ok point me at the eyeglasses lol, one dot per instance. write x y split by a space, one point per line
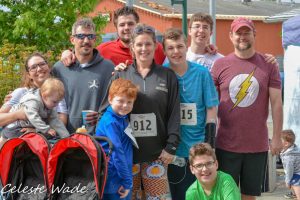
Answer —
143 29
34 67
208 165
82 36
197 27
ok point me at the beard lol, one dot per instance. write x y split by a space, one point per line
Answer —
86 49
243 47
125 40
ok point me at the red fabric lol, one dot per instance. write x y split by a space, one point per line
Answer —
37 145
7 152
84 139
63 145
118 53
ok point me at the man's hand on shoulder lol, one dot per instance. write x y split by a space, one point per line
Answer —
269 58
67 58
121 67
211 49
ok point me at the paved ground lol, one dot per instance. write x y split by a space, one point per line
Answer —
280 188
279 191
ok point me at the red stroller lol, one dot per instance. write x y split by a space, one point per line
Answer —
23 167
77 168
74 169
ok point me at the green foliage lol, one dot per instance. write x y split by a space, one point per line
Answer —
37 25
45 24
12 65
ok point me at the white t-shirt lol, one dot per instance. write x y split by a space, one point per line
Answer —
207 60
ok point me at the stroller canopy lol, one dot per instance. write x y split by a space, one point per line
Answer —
77 168
24 164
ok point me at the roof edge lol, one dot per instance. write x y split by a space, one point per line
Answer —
179 16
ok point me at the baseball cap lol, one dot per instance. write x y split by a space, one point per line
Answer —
240 22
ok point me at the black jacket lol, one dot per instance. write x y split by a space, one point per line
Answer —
158 94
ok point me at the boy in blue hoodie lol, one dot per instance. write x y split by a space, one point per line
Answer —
114 124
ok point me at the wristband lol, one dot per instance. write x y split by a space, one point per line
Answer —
210 134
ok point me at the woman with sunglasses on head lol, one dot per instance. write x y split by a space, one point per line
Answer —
155 117
36 72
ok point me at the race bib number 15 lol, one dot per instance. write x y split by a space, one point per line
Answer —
188 114
143 125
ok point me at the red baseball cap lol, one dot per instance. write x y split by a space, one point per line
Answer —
240 22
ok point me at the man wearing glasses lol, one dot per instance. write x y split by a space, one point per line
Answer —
85 80
210 183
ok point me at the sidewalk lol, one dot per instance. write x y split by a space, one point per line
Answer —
279 191
280 188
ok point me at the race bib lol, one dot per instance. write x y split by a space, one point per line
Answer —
188 114
143 125
128 132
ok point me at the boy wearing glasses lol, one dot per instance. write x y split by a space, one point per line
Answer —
200 30
210 183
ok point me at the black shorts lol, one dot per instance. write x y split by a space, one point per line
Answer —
247 169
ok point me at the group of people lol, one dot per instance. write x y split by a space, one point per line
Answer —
156 114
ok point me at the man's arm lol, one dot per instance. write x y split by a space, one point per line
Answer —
67 57
211 114
277 116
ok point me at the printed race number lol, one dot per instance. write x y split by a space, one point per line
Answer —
143 125
188 114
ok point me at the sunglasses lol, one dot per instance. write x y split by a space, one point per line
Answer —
82 36
143 29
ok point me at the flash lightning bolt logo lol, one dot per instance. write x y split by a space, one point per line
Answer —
244 86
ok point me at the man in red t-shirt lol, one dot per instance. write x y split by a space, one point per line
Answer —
118 51
246 83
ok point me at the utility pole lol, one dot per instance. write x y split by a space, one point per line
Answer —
129 3
212 12
184 13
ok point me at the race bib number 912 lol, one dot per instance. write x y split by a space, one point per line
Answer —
143 125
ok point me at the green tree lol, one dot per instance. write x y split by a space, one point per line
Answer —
45 24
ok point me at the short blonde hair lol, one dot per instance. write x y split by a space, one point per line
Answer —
53 86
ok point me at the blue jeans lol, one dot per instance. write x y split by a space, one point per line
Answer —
115 196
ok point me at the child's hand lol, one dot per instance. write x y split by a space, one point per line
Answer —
288 186
52 132
123 192
28 130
